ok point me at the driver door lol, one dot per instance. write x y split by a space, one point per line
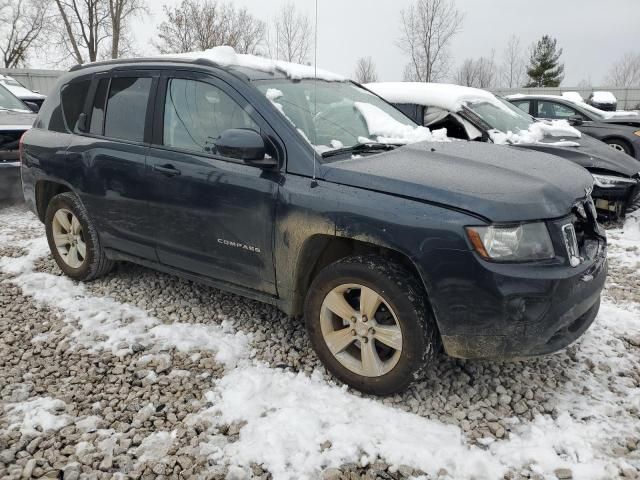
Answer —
214 216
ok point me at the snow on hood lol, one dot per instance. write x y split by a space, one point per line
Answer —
390 130
536 133
442 95
227 56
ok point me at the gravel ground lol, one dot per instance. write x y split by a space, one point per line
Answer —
143 375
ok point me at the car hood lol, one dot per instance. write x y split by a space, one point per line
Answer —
499 183
16 120
592 154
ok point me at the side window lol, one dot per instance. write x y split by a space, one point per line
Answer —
73 97
555 110
524 105
127 108
196 113
97 111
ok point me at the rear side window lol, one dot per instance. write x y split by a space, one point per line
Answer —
127 108
73 98
523 105
97 111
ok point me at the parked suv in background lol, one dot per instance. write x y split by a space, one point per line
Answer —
620 130
15 119
250 176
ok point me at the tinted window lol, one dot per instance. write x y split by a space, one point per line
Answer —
196 114
127 108
73 98
97 111
524 105
555 110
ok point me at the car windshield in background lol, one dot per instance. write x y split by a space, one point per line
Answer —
8 101
337 115
501 116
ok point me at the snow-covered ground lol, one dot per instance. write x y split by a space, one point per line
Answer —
143 374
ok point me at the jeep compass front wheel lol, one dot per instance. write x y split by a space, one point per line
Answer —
73 239
370 324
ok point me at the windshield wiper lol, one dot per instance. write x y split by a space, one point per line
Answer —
361 147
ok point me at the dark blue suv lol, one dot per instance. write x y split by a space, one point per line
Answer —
309 194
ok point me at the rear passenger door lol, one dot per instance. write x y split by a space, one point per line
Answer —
113 147
214 216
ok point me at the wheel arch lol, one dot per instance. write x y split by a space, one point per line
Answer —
621 139
45 190
321 250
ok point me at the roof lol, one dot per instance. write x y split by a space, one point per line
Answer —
442 95
252 66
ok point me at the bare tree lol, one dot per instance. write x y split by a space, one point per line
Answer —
120 12
21 24
204 24
366 70
293 35
83 27
479 73
427 29
626 71
513 64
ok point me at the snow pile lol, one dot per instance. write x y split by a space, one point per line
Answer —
226 56
573 97
624 243
103 323
537 132
291 415
604 97
389 130
38 414
440 95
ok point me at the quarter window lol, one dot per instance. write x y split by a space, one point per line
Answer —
127 108
73 98
196 113
523 105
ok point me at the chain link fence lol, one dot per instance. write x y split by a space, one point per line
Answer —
628 98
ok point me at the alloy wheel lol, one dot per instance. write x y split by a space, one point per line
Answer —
69 238
361 330
617 146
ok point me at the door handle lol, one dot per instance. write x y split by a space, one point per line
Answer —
168 170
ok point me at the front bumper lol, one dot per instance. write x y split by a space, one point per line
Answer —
614 202
493 310
10 183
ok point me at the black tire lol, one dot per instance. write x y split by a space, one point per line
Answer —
404 293
96 264
620 145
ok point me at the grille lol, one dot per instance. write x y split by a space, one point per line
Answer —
9 146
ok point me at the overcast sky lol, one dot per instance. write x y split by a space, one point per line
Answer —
593 33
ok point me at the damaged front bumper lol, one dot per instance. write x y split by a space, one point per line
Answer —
614 202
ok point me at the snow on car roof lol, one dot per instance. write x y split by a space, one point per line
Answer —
226 56
442 95
604 97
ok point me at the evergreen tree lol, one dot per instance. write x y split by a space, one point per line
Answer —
545 69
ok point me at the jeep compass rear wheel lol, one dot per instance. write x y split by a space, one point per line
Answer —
73 240
370 324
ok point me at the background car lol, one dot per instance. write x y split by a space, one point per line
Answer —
620 130
15 119
605 101
474 114
33 100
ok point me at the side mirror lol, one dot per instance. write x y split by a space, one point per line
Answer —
32 106
576 120
244 144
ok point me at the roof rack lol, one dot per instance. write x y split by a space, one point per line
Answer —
124 61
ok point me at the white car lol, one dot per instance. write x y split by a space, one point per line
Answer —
34 100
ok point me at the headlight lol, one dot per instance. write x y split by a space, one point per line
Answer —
609 181
513 243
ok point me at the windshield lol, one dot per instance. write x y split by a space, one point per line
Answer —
336 115
9 101
502 116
